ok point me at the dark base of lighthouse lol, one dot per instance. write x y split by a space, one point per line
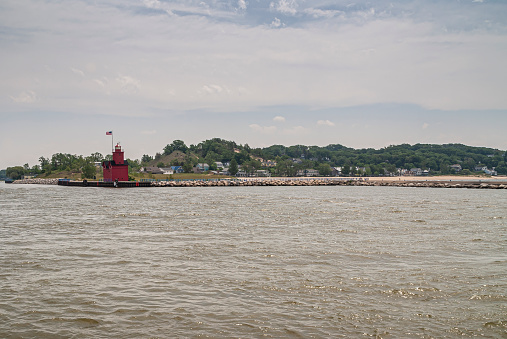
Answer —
85 183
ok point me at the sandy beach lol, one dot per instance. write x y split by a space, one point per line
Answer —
451 178
439 178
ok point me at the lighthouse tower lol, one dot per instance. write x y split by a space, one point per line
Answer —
118 168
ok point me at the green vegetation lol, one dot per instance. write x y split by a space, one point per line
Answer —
436 159
285 161
15 172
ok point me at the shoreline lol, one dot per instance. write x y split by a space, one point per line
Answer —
433 182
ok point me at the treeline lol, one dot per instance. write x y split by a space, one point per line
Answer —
64 162
437 159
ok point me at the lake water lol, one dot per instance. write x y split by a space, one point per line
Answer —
250 262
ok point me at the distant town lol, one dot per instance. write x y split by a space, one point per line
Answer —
217 157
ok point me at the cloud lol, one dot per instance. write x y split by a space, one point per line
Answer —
152 3
287 7
101 82
319 13
214 89
297 130
325 123
25 97
276 23
78 72
327 55
263 129
242 5
279 119
128 84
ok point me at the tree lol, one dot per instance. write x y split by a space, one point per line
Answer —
96 157
134 165
88 171
146 158
324 169
43 162
501 168
212 166
286 168
367 171
187 166
35 169
346 170
241 157
15 172
176 145
233 167
176 162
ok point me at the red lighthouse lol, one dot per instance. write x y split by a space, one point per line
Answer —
118 168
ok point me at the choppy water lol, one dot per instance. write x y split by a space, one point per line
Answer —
252 262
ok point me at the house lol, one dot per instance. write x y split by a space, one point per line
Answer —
336 171
202 167
485 169
152 170
224 171
241 173
167 170
491 172
268 163
456 168
262 173
177 169
219 164
309 172
416 171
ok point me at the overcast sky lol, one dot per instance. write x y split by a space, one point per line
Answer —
262 72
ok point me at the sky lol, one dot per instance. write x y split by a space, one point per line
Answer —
259 72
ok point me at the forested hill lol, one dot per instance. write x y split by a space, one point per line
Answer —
435 158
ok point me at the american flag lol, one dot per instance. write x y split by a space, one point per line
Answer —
109 133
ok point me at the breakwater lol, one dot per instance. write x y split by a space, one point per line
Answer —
274 182
328 182
38 181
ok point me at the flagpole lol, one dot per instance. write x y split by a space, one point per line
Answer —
112 141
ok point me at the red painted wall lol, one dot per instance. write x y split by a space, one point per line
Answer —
117 169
